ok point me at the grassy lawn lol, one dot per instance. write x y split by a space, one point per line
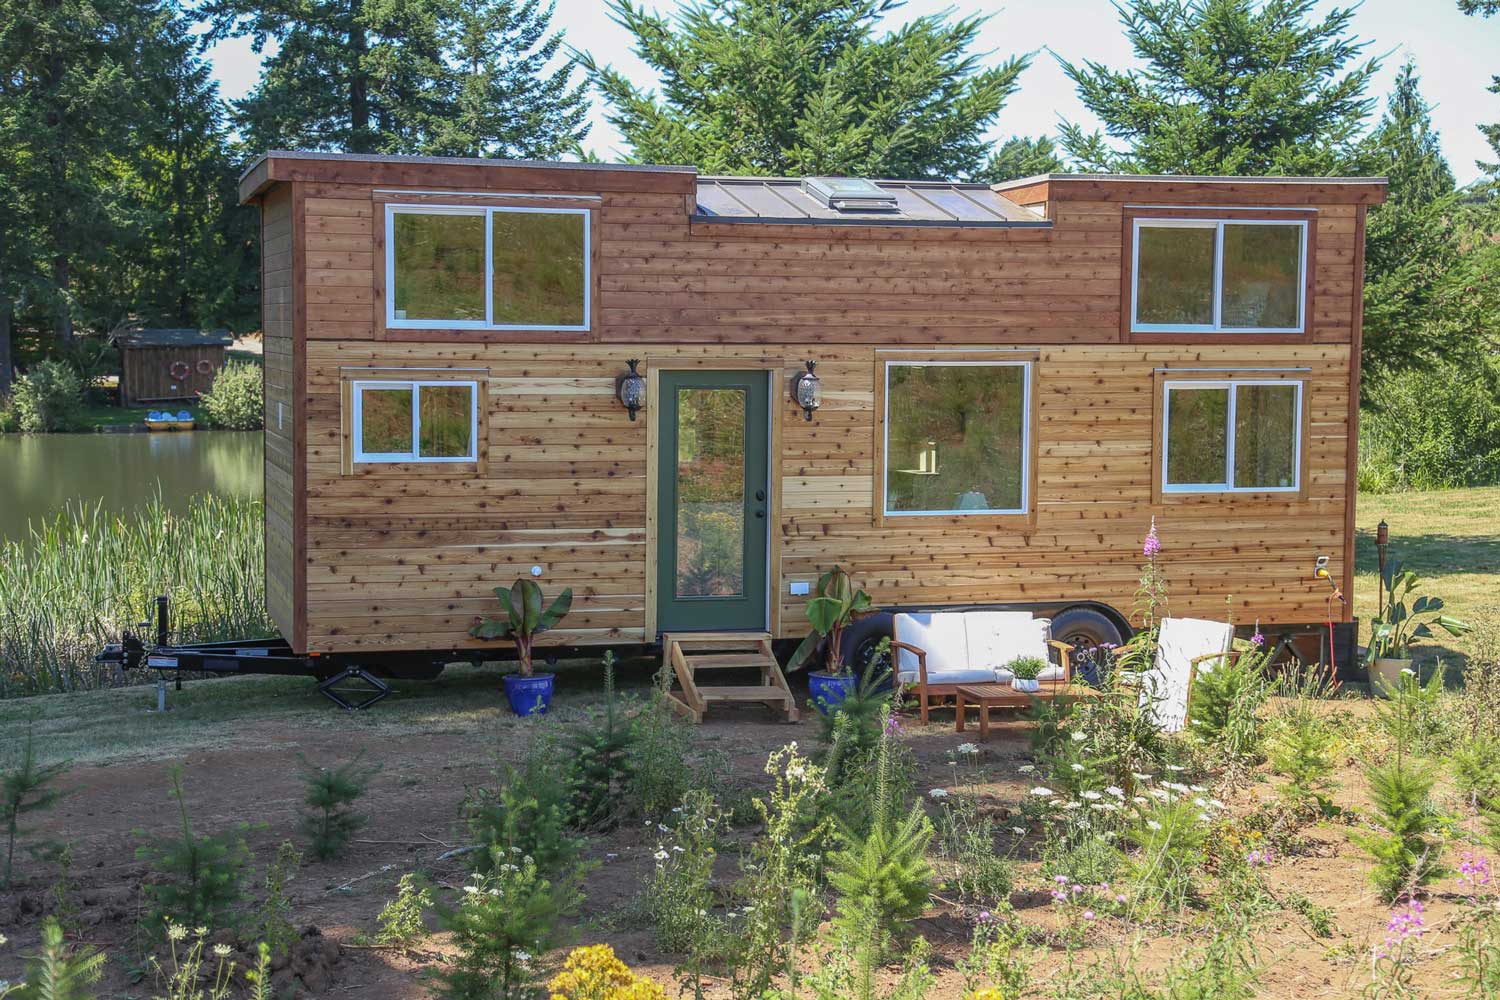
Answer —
1451 539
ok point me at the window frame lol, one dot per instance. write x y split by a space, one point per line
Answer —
392 209
1217 223
1299 425
1025 515
357 389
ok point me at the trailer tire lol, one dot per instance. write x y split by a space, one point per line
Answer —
1085 628
861 638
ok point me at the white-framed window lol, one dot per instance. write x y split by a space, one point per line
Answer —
1219 276
1232 436
415 421
465 267
957 438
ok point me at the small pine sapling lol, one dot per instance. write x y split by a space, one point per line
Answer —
400 920
597 751
329 820
258 979
1405 850
527 813
274 919
26 788
58 972
198 879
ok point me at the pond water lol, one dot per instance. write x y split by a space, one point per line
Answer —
41 473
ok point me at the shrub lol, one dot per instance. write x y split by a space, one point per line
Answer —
594 973
198 878
236 401
597 751
25 788
1432 429
1226 701
274 921
49 397
1301 747
59 972
328 818
658 757
400 920
1411 714
995 968
527 813
1405 852
679 890
9 422
1172 836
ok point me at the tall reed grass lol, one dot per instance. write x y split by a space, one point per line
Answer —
84 576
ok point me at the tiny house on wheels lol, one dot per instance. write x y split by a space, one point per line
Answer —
686 397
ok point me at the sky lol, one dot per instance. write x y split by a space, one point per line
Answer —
1455 55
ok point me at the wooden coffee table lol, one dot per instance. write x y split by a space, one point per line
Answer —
988 696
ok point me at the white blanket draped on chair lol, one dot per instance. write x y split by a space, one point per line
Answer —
1165 688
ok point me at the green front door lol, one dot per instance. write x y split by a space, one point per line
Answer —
713 509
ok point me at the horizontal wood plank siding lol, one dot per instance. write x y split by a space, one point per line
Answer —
283 469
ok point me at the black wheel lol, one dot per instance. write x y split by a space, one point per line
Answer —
1085 630
861 638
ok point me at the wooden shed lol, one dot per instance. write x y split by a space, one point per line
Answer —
1014 381
161 365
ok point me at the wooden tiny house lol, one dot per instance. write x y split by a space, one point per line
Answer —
160 365
1013 382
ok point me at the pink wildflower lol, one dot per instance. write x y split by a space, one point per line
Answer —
1088 914
1474 870
1153 543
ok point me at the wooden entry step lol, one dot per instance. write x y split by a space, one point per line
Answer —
689 652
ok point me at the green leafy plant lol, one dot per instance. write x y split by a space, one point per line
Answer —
658 762
504 922
258 979
1172 838
1301 747
197 879
679 890
400 920
524 619
59 972
836 605
274 919
598 754
1226 701
1412 714
329 820
185 975
855 728
1406 849
1027 668
49 397
236 401
1396 628
995 968
842 976
526 813
26 788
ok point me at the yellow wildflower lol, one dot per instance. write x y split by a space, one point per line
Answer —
594 973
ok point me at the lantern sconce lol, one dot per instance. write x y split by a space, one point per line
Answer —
807 390
630 389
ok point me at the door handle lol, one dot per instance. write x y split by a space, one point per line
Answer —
760 494
760 513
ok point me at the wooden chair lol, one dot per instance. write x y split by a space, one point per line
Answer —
1183 647
938 651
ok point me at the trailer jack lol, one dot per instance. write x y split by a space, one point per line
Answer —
354 689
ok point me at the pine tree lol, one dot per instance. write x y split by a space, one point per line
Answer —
1491 133
198 878
25 789
329 820
1228 87
804 87
59 972
1022 156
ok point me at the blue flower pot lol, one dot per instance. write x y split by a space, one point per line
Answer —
529 695
829 690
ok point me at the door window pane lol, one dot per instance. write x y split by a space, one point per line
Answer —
710 492
1262 272
1174 277
439 266
539 268
1197 436
1265 436
385 421
956 438
447 421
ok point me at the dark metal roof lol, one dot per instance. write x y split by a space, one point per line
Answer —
312 154
918 203
174 337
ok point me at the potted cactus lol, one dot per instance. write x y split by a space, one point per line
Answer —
835 607
524 620
1025 670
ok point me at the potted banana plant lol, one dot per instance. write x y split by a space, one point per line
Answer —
524 620
1396 629
837 604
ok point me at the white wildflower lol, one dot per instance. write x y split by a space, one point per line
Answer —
938 793
221 950
176 932
1139 799
1198 788
1175 767
1153 824
677 848
523 957
1027 768
1161 793
1091 795
1039 790
1116 791
1138 776
471 889
1076 767
1216 804
967 748
1019 831
1073 804
1078 736
661 855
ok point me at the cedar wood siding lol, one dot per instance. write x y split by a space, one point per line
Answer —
284 472
405 558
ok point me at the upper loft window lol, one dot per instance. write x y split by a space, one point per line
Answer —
1219 276
957 437
482 268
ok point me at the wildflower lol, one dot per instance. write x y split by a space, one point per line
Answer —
660 855
984 916
200 931
663 828
1474 870
1019 831
1138 776
1257 639
523 957
1060 879
1120 898
677 848
1216 804
176 932
1153 824
967 749
1075 804
1039 790
1091 795
221 950
1116 791
471 889
938 793
1153 543
1139 799
1161 793
1027 768
1258 858
1088 914
1175 767
1078 736
893 726
1076 767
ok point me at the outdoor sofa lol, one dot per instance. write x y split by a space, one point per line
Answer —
938 651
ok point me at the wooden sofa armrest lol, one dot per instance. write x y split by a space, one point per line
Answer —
1064 658
920 654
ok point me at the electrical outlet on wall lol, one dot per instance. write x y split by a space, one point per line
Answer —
800 588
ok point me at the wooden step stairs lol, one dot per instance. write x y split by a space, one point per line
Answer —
689 653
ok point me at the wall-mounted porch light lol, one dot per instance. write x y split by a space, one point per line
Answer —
630 389
807 390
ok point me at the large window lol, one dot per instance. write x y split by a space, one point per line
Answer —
415 421
1219 276
1232 436
957 437
487 268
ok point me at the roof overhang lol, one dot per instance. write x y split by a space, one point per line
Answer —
1162 188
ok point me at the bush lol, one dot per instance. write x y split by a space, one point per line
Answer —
329 820
237 399
527 813
1226 701
1405 850
49 397
679 892
1432 429
594 973
198 879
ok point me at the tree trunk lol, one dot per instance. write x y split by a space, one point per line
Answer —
62 280
7 372
360 139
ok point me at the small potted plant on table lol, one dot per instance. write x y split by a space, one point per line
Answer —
1025 670
1396 629
524 620
837 605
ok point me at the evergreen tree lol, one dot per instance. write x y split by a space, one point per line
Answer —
1229 87
1486 8
1022 156
505 103
806 87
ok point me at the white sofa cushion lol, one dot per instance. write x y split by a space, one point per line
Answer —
968 675
1050 674
943 638
998 637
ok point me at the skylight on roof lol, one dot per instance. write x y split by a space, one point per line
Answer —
846 194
